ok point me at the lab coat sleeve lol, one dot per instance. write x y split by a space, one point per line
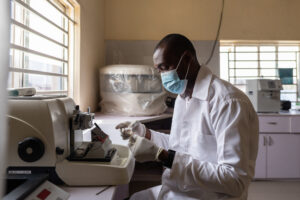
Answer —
232 123
160 139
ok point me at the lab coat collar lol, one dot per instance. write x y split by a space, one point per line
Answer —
202 83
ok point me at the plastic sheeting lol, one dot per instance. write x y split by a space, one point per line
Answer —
132 90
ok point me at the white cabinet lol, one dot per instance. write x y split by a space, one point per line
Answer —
283 156
261 160
279 148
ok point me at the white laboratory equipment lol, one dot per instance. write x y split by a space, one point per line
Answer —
264 94
46 136
131 90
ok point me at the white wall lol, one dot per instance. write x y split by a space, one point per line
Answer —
198 19
4 35
91 52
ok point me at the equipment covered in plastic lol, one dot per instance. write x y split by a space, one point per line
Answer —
132 90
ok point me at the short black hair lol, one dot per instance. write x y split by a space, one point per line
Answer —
176 43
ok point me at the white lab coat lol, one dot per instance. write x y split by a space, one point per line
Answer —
215 136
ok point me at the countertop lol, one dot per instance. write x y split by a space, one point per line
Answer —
108 122
281 113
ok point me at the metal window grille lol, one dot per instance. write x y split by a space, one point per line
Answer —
41 46
241 61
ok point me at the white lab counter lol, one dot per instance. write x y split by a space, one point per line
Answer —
108 122
97 193
281 113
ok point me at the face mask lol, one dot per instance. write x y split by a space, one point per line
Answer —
172 82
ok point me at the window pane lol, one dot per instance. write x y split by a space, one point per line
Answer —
16 59
37 43
268 72
40 25
246 49
47 10
17 35
267 48
288 48
288 96
15 80
232 72
287 56
289 88
17 13
45 83
267 64
231 56
243 72
246 72
286 64
240 81
246 64
39 63
246 56
267 56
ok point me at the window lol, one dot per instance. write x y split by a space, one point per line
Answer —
240 61
42 46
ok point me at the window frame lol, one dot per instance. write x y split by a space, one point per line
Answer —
69 9
258 45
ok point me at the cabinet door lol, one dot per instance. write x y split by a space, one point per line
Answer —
283 159
261 160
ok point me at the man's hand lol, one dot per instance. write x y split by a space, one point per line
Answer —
129 128
143 149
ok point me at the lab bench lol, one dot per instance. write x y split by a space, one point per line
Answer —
97 193
279 146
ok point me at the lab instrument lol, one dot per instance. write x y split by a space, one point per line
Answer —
264 94
46 136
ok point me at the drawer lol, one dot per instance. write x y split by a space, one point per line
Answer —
274 124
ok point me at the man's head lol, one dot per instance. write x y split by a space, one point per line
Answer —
170 50
175 51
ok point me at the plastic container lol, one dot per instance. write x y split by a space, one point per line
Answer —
132 90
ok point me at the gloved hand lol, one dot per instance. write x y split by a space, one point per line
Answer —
129 128
143 149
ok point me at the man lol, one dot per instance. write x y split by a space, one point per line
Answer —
211 150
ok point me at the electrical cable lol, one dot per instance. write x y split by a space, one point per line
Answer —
217 36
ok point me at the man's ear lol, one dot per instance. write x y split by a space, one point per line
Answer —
188 56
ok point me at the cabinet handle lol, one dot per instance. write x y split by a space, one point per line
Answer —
272 123
265 140
270 141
